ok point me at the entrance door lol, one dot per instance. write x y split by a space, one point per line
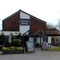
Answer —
26 38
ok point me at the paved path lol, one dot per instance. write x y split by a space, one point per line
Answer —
38 55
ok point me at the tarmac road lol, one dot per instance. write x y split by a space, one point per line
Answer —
38 55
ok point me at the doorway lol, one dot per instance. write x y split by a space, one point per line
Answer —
26 38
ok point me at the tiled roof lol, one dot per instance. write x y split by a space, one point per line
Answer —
52 32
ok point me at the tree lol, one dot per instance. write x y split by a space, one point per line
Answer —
50 27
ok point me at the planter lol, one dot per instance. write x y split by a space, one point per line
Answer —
12 51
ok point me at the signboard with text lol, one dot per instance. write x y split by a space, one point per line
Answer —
24 22
30 46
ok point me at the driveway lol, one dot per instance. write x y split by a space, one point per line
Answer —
38 55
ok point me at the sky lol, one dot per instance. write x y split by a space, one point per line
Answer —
47 10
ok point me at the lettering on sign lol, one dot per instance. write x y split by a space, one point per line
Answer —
24 22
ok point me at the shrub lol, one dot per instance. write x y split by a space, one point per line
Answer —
2 34
12 48
16 42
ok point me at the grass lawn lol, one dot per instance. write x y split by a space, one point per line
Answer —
55 49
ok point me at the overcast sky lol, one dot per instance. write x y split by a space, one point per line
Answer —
47 10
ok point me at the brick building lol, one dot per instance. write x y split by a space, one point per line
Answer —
21 21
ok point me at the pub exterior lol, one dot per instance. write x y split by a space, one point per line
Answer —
31 28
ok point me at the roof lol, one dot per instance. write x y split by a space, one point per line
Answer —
25 13
10 16
52 33
38 33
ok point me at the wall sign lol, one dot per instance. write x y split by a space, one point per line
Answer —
24 21
30 46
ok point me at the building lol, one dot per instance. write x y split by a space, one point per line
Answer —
23 22
53 36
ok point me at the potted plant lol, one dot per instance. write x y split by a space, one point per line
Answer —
12 50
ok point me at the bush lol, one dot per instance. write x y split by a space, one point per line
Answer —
2 34
16 42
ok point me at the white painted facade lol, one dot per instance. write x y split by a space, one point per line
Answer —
9 32
49 39
41 39
24 15
31 39
24 28
38 40
58 39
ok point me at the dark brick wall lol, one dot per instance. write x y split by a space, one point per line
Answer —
36 24
12 22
